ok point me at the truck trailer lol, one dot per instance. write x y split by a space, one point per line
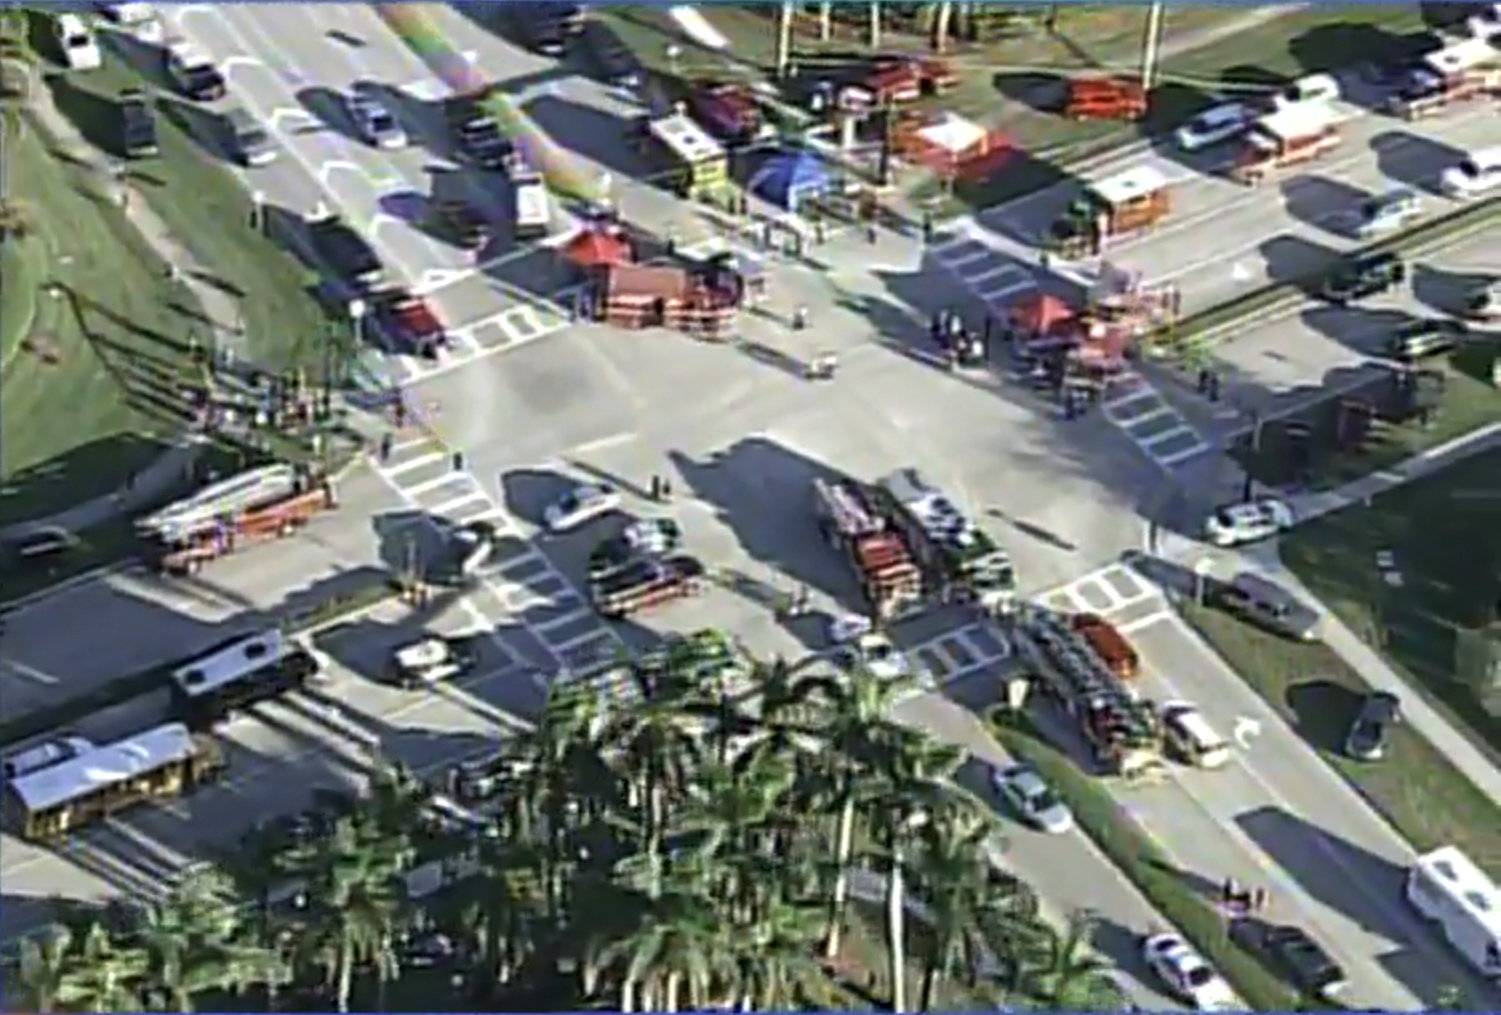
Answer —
889 578
1287 137
961 563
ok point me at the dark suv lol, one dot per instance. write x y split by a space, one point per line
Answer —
345 251
1362 276
1379 712
1289 950
476 136
137 125
1431 336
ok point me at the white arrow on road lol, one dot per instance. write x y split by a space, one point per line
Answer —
1245 729
1239 273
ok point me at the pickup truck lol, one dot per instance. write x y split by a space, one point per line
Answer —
345 251
651 537
645 584
137 125
410 324
1362 276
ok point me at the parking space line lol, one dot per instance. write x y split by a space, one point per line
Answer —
1162 410
449 505
1186 453
1164 435
582 611
1133 626
955 262
465 337
572 643
1000 269
1026 284
413 442
432 484
392 471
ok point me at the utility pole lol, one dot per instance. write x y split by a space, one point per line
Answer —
1151 43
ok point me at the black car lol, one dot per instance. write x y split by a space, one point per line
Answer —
1431 336
137 125
1364 276
477 138
1295 955
462 224
547 27
1379 712
345 251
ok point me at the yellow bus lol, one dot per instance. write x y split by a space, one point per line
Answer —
47 803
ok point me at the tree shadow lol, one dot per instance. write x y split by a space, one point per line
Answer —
96 117
208 130
1322 711
1361 329
67 479
1445 291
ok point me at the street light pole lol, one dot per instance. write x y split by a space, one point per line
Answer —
1256 424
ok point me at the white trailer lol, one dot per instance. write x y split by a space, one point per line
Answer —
1447 888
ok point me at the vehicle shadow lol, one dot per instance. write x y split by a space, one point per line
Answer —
207 129
590 133
1324 203
1292 260
1322 711
96 116
1413 160
1442 290
327 106
1367 889
1358 328
1339 47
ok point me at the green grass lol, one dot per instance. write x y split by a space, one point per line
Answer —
1128 846
1451 572
208 210
20 269
1467 403
98 394
1424 797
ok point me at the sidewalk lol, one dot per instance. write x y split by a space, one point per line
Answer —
1462 754
154 480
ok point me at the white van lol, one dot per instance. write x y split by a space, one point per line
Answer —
1447 888
1191 737
1311 88
1478 173
80 48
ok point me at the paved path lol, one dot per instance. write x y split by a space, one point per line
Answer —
1464 755
150 483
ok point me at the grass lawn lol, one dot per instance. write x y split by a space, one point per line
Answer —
1468 401
1420 793
91 389
203 203
1451 578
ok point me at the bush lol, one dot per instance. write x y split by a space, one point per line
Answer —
1130 848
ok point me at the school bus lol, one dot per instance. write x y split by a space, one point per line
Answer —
697 164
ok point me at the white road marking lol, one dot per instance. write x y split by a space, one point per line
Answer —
30 672
1162 436
413 463
328 168
1161 410
1186 453
232 63
569 618
1147 621
448 505
290 113
432 484
1001 269
382 219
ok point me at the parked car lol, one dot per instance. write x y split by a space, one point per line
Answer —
1247 521
1294 954
1309 88
1430 336
1476 174
193 73
1388 212
428 950
80 50
649 537
347 254
1364 275
1187 974
1379 712
431 661
466 226
876 653
617 65
477 138
1034 801
410 323
1266 604
140 19
1191 738
372 119
581 504
1214 125
547 26
1483 301
248 140
137 125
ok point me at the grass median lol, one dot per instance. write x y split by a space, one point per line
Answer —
1127 845
1425 798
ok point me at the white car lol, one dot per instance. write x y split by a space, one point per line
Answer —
876 653
1247 521
80 50
1213 125
579 505
140 19
1187 974
372 119
1388 211
1033 799
1191 737
1475 175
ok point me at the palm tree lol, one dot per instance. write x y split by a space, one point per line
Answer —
1063 973
875 24
825 20
43 967
779 970
102 974
943 19
356 895
679 942
858 710
784 38
953 875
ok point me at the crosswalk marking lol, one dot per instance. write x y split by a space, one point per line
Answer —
414 463
447 506
418 489
1071 596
